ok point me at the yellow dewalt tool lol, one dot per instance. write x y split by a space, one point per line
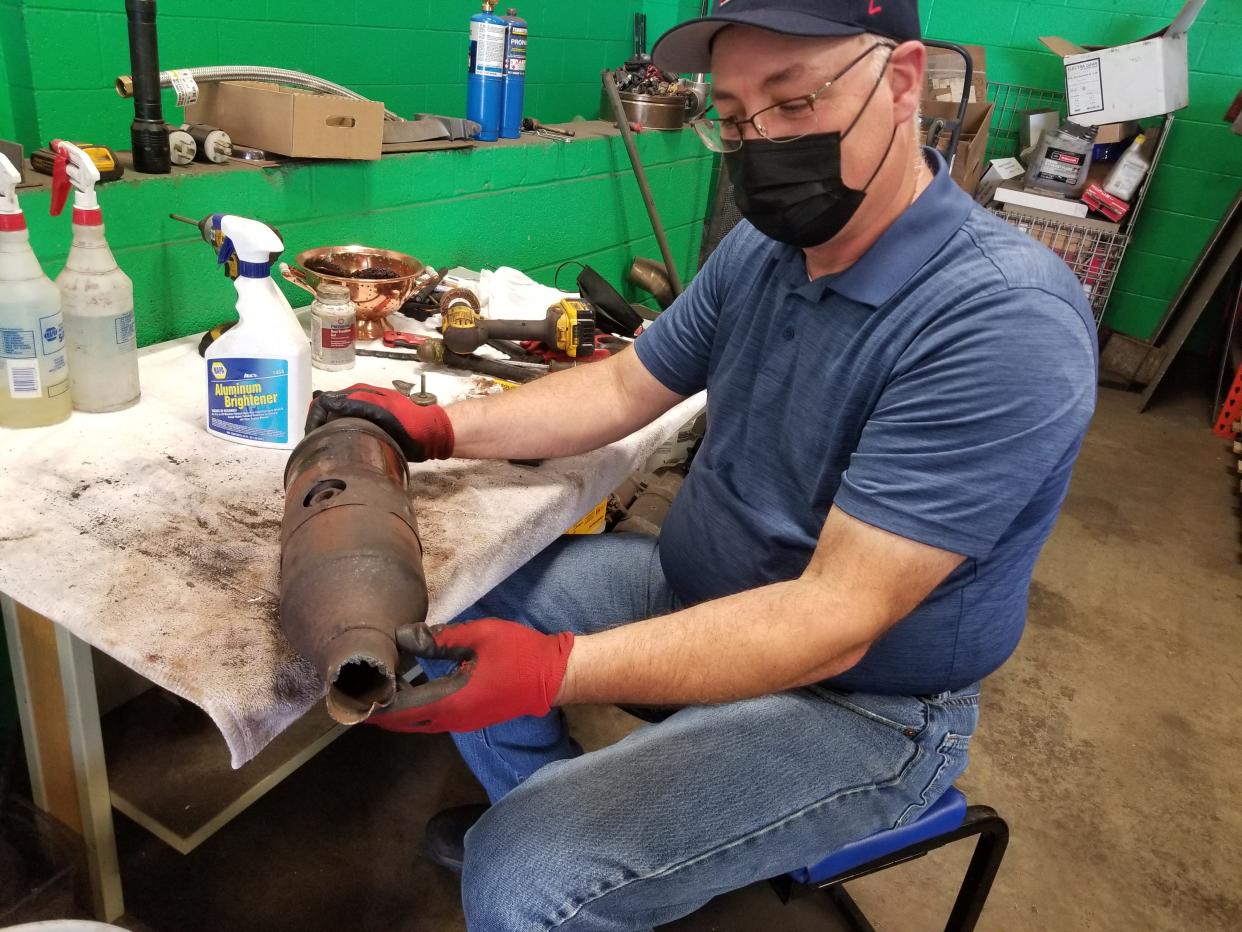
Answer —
568 327
110 168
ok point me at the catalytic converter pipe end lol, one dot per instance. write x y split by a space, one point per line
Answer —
351 570
362 674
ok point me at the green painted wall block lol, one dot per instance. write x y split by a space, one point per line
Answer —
58 59
531 205
1202 164
411 55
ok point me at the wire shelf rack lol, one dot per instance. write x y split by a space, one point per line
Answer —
1009 100
1092 254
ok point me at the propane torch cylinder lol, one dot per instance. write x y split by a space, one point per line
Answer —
486 72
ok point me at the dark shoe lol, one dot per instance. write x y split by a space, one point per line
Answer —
445 835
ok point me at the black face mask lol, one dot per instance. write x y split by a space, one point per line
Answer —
793 191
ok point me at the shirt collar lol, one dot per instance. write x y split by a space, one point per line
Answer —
904 248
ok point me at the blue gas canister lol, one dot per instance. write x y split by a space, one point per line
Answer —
515 75
486 76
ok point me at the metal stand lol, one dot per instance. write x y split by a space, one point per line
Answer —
1094 255
981 822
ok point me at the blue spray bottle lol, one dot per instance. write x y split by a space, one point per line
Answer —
486 77
515 75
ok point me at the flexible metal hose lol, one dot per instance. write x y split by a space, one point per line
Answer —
307 82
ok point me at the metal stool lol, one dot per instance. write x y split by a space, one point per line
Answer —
949 819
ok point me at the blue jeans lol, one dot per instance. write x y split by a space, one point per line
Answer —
709 800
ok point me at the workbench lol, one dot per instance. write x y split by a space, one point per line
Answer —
138 536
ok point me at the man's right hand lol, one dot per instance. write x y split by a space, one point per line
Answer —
423 432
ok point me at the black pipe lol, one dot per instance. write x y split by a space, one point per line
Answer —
623 123
148 138
955 131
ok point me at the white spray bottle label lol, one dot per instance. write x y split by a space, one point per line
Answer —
23 350
249 398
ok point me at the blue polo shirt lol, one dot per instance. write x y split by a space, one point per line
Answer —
939 388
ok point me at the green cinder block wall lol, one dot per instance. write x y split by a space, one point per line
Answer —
531 206
58 59
1201 169
411 54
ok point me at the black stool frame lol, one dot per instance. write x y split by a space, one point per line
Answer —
981 821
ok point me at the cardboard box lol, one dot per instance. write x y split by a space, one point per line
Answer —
1100 201
293 123
1111 133
999 170
1032 124
1012 192
1128 82
946 74
972 146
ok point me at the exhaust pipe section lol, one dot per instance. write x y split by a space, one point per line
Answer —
651 277
148 135
351 563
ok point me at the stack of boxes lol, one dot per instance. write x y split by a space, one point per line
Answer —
946 79
1110 89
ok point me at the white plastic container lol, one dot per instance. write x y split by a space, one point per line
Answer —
1062 160
34 373
1126 176
97 298
258 374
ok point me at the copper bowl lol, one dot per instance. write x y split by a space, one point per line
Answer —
375 298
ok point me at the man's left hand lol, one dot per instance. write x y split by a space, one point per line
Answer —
505 670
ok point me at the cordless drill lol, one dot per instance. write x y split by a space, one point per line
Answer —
209 228
569 326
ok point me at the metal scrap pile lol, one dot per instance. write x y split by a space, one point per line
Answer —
637 78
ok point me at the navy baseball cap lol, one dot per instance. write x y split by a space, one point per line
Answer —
688 47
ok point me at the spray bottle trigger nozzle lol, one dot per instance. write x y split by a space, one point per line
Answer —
226 251
60 181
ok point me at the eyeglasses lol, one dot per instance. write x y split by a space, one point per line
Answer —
785 121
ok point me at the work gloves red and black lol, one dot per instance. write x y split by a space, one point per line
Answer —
505 671
423 432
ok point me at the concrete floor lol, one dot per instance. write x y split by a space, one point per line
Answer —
1111 742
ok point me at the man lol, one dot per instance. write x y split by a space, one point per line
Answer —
898 385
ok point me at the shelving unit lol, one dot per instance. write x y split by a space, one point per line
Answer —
1094 255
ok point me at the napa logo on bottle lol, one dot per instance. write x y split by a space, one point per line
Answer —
249 399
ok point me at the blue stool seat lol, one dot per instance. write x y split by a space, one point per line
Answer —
949 819
944 815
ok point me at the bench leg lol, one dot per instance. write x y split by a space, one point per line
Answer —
848 909
984 863
54 678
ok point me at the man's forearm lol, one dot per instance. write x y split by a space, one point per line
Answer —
756 642
562 414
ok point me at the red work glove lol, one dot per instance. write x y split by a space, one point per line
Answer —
423 432
506 670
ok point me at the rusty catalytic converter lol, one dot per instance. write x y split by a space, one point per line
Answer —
351 563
